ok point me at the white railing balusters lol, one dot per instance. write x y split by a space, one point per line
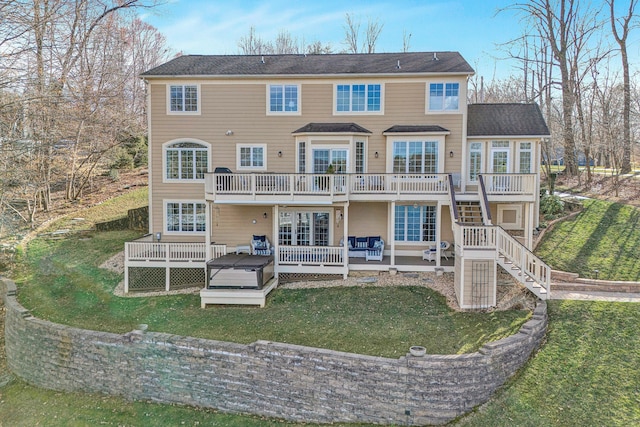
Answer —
311 255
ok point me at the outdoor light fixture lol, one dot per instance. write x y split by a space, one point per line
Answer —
279 153
338 216
158 236
254 221
264 215
229 132
376 155
450 153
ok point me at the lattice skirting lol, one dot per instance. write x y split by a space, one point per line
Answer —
153 278
306 277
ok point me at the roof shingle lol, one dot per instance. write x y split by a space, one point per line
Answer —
259 65
332 128
506 120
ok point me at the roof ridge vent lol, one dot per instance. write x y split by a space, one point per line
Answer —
435 56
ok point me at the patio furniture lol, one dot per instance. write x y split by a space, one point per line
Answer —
243 249
430 254
359 246
260 245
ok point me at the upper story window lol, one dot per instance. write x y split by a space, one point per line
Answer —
525 155
359 98
444 96
284 99
251 157
186 161
184 99
415 157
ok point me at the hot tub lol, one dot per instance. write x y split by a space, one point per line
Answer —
239 271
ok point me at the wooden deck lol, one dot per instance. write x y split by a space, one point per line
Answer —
237 296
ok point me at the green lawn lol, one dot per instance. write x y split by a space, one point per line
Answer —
60 281
587 373
604 237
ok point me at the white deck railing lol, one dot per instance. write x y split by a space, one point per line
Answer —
475 237
264 184
170 252
510 183
311 255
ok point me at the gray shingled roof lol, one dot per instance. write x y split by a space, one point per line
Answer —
505 120
253 65
332 128
415 128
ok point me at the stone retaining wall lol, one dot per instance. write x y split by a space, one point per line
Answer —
136 219
265 378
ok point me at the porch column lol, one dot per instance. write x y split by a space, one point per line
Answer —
438 231
276 238
392 231
207 234
528 226
345 238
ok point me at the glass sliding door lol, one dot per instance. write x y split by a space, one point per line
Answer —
302 228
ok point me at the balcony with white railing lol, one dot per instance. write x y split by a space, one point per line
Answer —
322 188
510 186
161 253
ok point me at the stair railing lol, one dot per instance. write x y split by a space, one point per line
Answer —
453 207
484 201
529 264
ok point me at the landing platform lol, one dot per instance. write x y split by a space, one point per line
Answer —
237 296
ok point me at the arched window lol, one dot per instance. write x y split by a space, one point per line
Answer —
186 160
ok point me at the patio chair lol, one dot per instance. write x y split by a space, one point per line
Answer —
430 254
260 246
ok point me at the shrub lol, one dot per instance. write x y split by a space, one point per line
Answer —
551 206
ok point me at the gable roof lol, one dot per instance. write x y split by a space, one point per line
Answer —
329 64
505 120
331 128
415 129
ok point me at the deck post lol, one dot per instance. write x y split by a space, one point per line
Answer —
345 239
126 268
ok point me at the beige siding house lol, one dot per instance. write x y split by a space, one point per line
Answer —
341 162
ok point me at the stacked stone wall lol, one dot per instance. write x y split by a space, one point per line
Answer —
266 378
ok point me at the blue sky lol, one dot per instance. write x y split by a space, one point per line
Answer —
470 27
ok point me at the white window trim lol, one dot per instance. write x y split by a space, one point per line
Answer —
461 97
508 150
283 113
251 168
358 113
407 138
521 150
312 211
482 160
425 243
184 113
167 145
165 225
316 147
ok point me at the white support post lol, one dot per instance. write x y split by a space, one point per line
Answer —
392 229
276 239
438 232
207 237
126 268
167 269
345 239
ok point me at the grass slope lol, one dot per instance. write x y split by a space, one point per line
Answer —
587 373
60 281
604 237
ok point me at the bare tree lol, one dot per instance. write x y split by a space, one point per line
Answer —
406 41
566 28
621 36
351 33
374 28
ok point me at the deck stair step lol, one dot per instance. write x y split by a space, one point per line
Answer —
469 212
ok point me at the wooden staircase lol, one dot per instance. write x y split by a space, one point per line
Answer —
469 212
511 255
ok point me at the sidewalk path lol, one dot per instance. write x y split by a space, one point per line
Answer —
596 296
